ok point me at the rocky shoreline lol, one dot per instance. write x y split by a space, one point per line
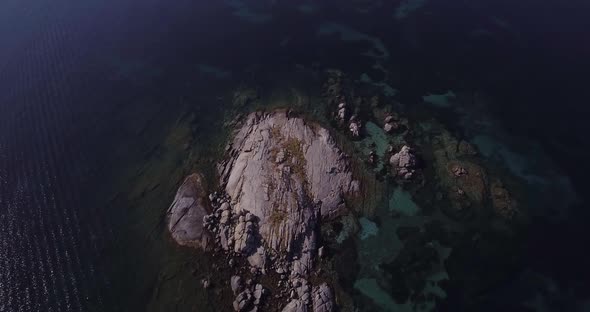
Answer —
284 177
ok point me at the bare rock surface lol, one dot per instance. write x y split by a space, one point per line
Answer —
323 299
236 284
295 305
285 175
403 162
185 215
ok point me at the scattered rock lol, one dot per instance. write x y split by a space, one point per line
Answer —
243 301
259 293
354 127
295 305
390 124
354 188
236 284
403 163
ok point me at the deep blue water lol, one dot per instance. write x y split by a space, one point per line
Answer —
75 75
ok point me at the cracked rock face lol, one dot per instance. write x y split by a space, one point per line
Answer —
185 215
323 300
285 199
295 305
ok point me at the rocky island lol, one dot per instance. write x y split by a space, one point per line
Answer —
291 194
282 177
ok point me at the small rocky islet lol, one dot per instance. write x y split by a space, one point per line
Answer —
288 184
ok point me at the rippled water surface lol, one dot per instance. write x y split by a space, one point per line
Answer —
97 98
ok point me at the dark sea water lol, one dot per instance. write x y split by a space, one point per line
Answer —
90 89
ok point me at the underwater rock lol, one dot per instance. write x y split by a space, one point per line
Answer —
470 178
415 262
185 215
244 96
503 203
456 148
333 85
465 181
467 188
466 149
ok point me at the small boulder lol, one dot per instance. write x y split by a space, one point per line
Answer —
355 128
403 162
243 301
236 284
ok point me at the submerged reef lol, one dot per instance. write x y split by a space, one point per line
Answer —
365 209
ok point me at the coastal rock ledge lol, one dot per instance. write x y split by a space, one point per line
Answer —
281 177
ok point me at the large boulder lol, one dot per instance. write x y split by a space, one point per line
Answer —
185 215
295 305
323 299
288 175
